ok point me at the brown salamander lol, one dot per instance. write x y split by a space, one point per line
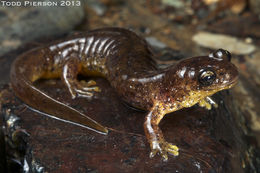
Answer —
127 62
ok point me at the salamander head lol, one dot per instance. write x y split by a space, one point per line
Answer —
198 77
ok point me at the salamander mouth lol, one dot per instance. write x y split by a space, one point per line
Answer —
231 83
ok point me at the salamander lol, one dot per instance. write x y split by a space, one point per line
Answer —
127 62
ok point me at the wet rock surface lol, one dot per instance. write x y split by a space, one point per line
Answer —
208 140
225 139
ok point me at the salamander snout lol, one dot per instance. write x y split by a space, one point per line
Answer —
221 54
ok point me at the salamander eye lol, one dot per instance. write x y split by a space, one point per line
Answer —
222 54
207 77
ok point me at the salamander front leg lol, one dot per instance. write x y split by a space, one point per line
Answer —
155 137
76 88
207 102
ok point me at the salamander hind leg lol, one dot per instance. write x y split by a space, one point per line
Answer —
155 137
71 70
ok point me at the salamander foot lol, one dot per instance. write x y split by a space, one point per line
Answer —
207 102
163 147
83 89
